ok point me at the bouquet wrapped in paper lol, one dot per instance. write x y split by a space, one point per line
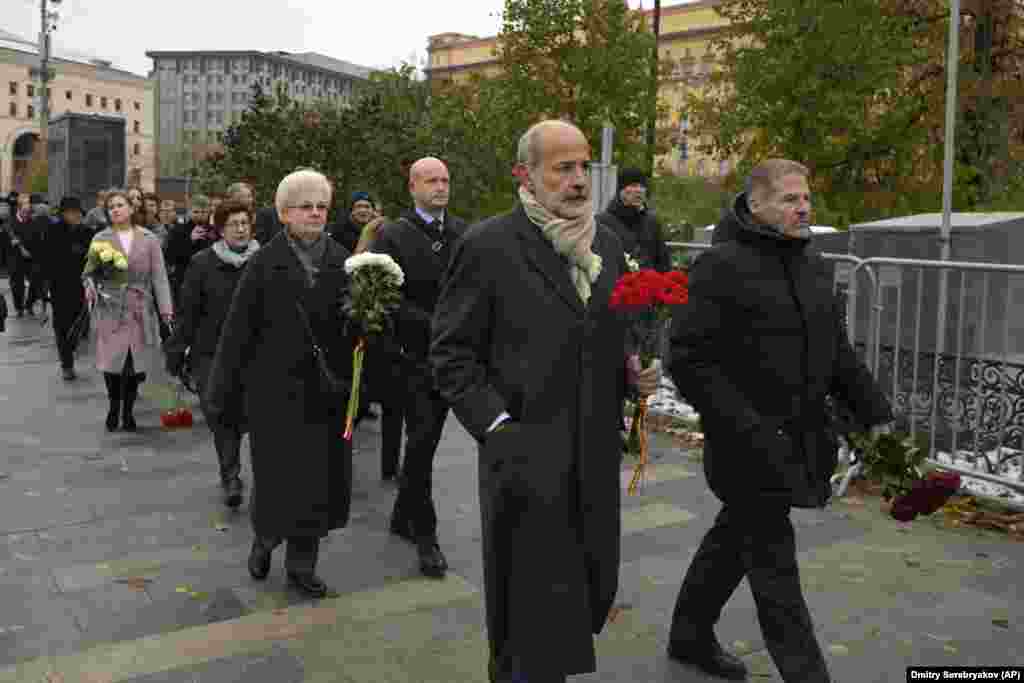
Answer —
374 295
649 296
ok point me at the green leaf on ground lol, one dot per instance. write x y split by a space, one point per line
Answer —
1001 622
838 649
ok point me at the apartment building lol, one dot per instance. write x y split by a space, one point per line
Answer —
200 94
80 85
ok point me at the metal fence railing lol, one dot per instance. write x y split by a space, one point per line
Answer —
945 340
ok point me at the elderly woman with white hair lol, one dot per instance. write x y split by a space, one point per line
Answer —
285 362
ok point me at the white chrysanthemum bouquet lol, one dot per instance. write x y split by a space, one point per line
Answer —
374 295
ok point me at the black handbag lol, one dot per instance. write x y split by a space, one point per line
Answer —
329 382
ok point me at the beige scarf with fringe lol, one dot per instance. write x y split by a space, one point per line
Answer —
571 238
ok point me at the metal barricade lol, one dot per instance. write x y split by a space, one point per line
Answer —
945 340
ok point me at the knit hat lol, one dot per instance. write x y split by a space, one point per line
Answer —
70 204
631 176
359 197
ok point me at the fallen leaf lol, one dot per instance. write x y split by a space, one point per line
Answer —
911 562
741 647
221 526
183 589
838 649
1002 623
941 639
874 632
950 649
198 595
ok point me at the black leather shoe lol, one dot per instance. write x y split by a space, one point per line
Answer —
129 423
308 584
68 374
432 560
402 528
113 416
233 492
259 561
709 657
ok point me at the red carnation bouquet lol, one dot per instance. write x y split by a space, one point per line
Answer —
649 296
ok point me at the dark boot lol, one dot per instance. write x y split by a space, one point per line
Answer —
228 443
131 392
113 383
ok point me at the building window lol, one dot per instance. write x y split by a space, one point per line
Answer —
30 90
135 149
117 105
67 94
49 94
14 109
138 106
30 112
103 103
135 127
88 100
13 87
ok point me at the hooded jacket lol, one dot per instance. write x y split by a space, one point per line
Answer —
758 350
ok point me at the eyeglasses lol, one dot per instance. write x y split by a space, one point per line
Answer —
237 224
308 207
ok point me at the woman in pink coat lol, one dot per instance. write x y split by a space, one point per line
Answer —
125 303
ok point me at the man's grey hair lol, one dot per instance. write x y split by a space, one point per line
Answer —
528 153
764 176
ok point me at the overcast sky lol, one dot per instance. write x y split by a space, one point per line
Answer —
369 32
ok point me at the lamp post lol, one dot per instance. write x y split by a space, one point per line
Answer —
48 22
952 69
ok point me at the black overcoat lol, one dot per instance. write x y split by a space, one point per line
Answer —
205 300
510 333
756 351
64 251
302 468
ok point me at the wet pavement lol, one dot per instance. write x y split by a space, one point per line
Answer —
119 563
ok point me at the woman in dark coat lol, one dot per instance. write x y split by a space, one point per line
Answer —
284 345
205 298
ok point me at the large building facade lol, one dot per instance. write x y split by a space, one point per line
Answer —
684 42
199 94
79 85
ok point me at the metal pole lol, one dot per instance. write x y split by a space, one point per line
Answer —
44 71
952 70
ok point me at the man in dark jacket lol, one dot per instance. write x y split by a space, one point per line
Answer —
531 356
756 351
28 234
187 239
349 228
635 225
64 252
420 241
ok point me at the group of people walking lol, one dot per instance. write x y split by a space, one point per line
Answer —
507 324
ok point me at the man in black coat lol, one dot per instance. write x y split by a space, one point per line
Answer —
64 253
756 351
635 224
532 358
28 233
348 229
187 239
420 241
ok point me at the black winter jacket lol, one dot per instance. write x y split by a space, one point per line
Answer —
757 350
346 233
409 244
205 300
640 234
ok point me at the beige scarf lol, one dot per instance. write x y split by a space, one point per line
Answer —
571 239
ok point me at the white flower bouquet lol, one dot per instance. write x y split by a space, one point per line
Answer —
374 295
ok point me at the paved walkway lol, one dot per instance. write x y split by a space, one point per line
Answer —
118 563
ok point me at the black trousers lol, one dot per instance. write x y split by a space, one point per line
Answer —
23 269
301 552
755 540
391 425
65 313
426 412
